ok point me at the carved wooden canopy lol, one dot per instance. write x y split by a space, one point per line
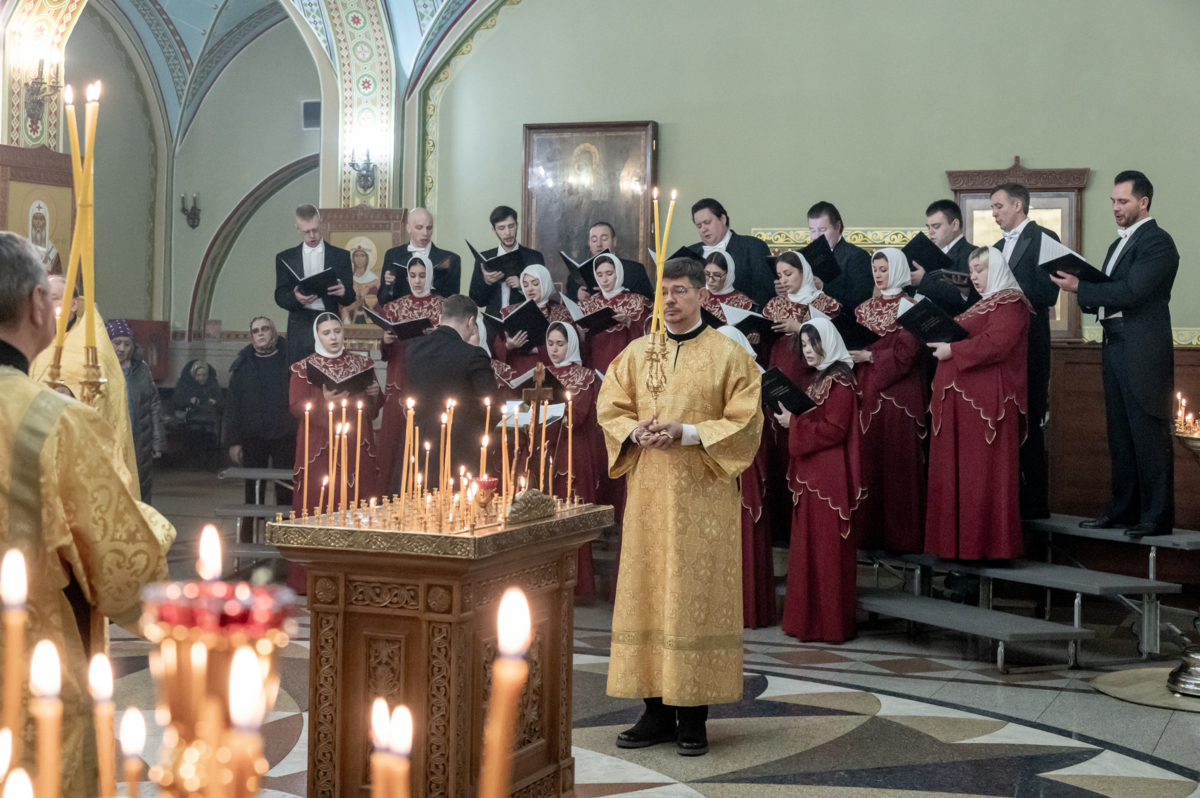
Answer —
970 180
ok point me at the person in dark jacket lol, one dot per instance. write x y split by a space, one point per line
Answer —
259 428
145 407
197 398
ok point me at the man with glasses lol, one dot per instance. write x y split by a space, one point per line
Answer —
677 620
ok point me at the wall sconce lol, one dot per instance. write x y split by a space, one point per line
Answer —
37 91
366 171
192 214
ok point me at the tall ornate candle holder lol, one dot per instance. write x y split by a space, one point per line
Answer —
92 384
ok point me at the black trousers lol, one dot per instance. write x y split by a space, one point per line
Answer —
268 453
1139 445
1034 465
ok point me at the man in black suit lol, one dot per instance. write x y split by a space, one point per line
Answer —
444 264
491 290
444 365
603 236
944 226
754 276
310 257
856 283
1139 365
1022 249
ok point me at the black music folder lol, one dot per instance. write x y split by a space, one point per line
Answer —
820 258
354 384
404 330
315 284
583 273
854 334
778 391
601 320
527 318
510 262
930 323
929 255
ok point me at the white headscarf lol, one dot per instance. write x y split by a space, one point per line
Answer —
727 287
735 335
428 276
619 285
831 342
898 272
1000 277
543 277
808 289
572 343
321 350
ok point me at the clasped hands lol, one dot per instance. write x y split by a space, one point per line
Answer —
652 435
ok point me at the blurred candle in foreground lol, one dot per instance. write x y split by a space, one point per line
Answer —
247 707
100 685
508 678
18 785
133 740
5 752
400 734
45 683
380 757
208 567
13 591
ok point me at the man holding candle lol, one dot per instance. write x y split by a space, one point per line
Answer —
310 257
677 620
72 545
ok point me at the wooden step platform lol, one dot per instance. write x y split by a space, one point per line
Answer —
1058 577
1057 524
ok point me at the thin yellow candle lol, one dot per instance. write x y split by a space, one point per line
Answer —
307 408
667 230
18 784
416 464
5 751
503 455
442 463
381 770
483 456
542 465
333 463
100 685
658 264
332 449
408 451
400 734
321 500
571 433
487 418
508 679
89 254
345 469
74 257
450 447
247 706
45 682
133 740
13 591
426 481
357 453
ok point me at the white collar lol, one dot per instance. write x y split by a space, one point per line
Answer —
1016 231
317 248
950 246
1129 230
500 250
720 245
693 328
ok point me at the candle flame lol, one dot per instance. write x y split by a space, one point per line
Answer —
18 785
411 404
324 482
307 406
345 402
331 407
208 567
5 751
379 724
68 96
513 624
57 312
443 418
522 483
133 733
488 401
93 92
45 673
673 194
654 192
568 396
100 679
360 404
246 705
426 445
13 586
401 731
485 441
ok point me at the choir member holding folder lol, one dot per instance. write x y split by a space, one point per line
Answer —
978 414
631 311
825 479
792 310
413 314
891 415
310 278
523 349
720 272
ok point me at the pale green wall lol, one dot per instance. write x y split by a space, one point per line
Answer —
124 169
247 285
247 128
771 105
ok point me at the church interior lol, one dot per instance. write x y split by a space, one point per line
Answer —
1060 672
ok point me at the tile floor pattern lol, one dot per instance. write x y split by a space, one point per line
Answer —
886 714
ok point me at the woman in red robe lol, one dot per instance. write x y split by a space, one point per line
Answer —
538 288
978 416
791 311
892 383
824 475
334 361
758 564
719 272
422 303
631 309
587 449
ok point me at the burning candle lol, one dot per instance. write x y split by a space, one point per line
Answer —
426 471
89 249
487 418
18 784
133 740
13 592
345 460
247 706
542 464
508 679
571 421
72 276
658 262
483 456
449 479
357 453
503 454
332 453
307 408
208 566
405 485
45 682
6 759
381 764
100 685
321 500
400 733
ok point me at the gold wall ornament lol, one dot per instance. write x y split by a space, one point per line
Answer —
783 239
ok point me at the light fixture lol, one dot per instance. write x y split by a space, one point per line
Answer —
366 171
193 213
38 90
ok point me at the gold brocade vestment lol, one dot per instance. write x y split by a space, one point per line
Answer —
677 623
65 501
113 405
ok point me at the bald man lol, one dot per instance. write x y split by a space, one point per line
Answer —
447 267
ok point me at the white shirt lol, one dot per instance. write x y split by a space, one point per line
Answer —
1010 241
720 245
313 259
505 291
689 436
422 251
1112 263
946 249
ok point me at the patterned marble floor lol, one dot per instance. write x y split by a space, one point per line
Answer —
887 714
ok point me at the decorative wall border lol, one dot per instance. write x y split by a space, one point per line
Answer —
781 239
1184 336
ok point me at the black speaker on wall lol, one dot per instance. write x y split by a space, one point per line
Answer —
312 114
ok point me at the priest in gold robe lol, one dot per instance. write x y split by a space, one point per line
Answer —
66 502
677 623
113 404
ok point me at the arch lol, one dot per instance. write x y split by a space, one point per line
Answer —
227 235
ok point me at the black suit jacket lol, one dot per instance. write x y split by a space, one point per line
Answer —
753 276
447 272
1042 294
300 319
636 281
1141 290
443 366
488 296
855 284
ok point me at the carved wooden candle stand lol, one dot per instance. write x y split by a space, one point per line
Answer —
411 617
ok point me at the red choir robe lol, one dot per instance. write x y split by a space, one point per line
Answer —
827 485
391 432
590 457
758 564
601 348
978 415
735 299
522 362
892 418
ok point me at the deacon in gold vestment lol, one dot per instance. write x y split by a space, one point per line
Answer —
677 623
66 502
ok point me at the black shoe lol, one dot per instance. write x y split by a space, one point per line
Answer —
693 735
657 725
1103 522
1146 529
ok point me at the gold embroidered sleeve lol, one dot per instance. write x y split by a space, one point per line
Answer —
617 414
731 442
